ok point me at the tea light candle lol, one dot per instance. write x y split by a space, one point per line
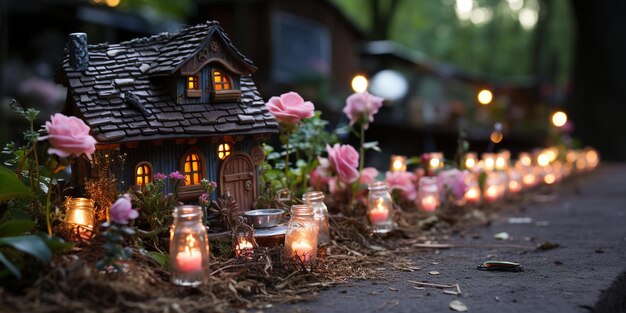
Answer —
528 180
489 161
242 246
491 194
472 195
302 249
398 163
379 213
429 203
470 160
189 260
514 186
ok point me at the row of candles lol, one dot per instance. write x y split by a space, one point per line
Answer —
548 166
308 226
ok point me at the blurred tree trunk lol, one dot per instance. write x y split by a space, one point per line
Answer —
382 16
598 98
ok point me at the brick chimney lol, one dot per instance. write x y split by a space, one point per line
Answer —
79 54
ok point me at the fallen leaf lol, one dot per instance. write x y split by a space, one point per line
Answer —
458 306
433 273
501 236
548 246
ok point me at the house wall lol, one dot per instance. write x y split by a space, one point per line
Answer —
165 158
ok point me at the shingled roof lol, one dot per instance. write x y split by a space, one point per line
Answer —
122 97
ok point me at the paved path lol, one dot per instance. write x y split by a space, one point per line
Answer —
589 224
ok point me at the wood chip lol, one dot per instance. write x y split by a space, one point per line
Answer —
433 273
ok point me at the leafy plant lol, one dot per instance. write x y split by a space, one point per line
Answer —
306 143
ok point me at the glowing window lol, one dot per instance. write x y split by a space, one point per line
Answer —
193 83
143 174
221 81
192 169
223 150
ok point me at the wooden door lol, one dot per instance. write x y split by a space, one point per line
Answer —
238 177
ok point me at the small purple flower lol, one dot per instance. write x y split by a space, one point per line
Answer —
159 176
204 198
122 211
213 184
176 176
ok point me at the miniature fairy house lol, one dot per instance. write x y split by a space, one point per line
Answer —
172 102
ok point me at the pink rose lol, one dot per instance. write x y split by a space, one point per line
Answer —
361 107
122 210
453 181
403 181
368 175
290 108
320 176
344 160
69 135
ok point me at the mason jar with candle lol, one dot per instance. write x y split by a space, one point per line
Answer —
380 207
189 247
489 161
472 195
398 163
320 212
80 216
470 160
301 235
428 194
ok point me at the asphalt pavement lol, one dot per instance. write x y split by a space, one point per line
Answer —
582 228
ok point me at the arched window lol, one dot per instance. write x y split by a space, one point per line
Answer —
221 81
224 150
192 169
143 174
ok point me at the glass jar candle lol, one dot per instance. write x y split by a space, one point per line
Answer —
502 160
398 163
472 195
470 160
320 212
515 181
380 207
301 235
189 247
436 161
489 161
80 216
428 194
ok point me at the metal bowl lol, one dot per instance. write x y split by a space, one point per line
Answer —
264 218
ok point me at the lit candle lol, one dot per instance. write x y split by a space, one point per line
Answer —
379 213
429 203
398 163
302 249
514 186
470 160
243 245
189 260
528 180
80 213
472 195
491 194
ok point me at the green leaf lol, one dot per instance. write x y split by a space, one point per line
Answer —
55 244
162 259
413 161
10 266
30 244
15 227
11 187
